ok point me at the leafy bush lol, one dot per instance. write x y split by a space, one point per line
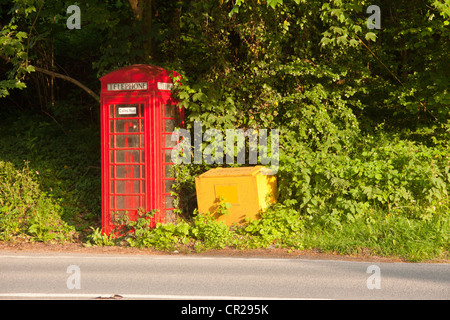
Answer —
26 210
279 225
213 233
162 237
398 175
69 171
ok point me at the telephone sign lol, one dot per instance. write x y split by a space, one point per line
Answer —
127 86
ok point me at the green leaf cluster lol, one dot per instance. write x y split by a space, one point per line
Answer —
25 211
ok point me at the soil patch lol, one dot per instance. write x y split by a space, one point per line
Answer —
38 247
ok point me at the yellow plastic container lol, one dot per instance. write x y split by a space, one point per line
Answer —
247 190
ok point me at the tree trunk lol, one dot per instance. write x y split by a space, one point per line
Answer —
142 10
175 26
135 8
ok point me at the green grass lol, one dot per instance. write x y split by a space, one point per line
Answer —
384 235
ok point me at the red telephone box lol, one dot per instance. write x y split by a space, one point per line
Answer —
138 115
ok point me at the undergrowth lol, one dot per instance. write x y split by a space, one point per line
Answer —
386 196
28 211
49 177
371 233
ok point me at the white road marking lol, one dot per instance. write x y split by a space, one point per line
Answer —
175 257
137 296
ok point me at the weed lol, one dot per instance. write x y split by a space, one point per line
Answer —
98 238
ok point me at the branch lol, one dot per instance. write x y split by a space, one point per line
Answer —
67 78
61 76
420 102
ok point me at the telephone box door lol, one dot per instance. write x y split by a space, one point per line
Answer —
128 160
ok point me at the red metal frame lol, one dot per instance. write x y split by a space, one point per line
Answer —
152 102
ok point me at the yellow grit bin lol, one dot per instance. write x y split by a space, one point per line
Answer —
247 190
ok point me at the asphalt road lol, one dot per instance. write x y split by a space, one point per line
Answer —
83 276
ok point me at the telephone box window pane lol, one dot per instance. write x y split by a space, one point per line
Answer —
169 201
169 125
126 126
143 172
112 186
127 141
127 156
142 125
111 111
143 186
121 202
127 172
169 184
112 172
169 142
127 110
127 202
142 156
127 187
112 201
170 111
142 141
168 174
168 155
170 213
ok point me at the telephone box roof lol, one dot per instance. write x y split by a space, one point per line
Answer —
137 73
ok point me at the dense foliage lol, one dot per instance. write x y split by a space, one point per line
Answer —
363 114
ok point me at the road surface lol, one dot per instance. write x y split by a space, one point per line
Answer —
86 276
